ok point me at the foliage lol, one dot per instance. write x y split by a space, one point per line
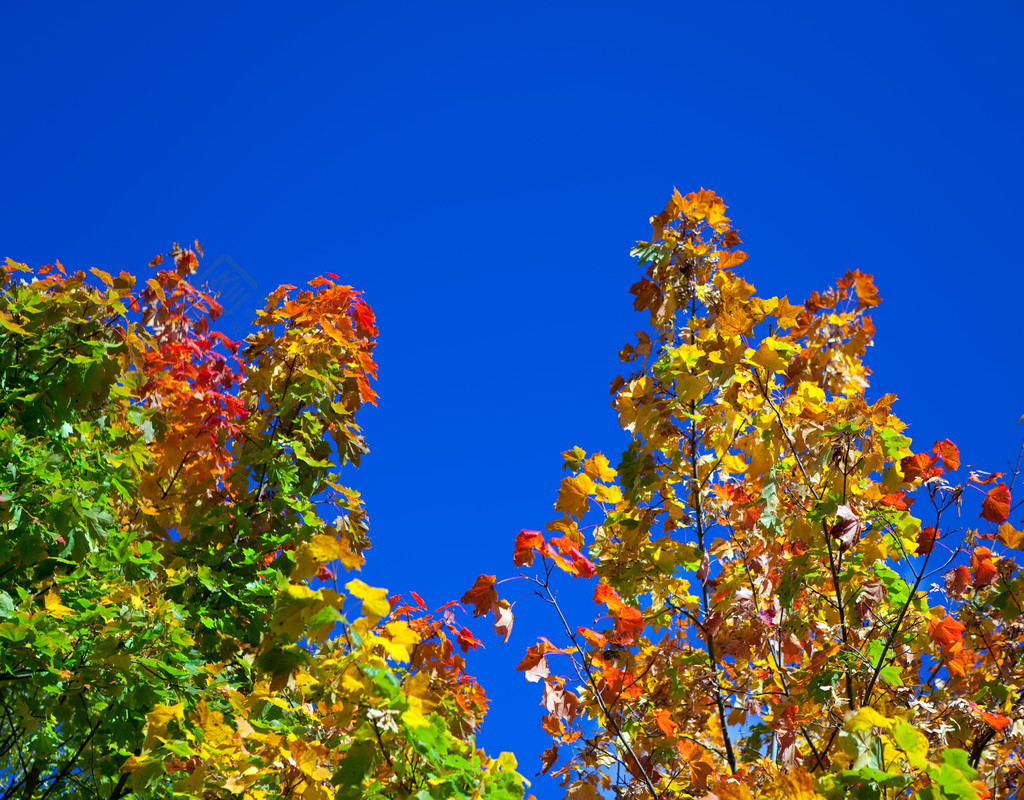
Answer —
171 507
768 625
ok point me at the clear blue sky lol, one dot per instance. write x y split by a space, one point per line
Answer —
481 171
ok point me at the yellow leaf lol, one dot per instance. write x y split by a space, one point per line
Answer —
865 718
103 276
158 719
402 635
768 358
413 716
913 742
573 495
733 464
597 468
54 607
321 549
375 602
1011 537
609 494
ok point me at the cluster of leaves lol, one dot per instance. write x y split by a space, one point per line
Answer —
172 511
774 618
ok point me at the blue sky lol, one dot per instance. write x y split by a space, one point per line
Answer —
481 171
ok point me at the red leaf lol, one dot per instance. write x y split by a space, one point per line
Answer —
482 595
849 527
582 567
957 580
467 640
926 540
996 505
526 543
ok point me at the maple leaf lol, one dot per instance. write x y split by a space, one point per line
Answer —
1011 537
502 619
663 718
548 759
526 543
917 465
949 453
957 580
481 595
926 540
897 500
848 527
573 495
983 569
996 505
581 567
534 664
947 633
597 467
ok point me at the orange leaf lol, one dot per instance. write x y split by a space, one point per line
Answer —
997 721
949 454
996 505
607 595
916 465
1011 537
663 717
897 501
526 543
629 624
552 725
482 595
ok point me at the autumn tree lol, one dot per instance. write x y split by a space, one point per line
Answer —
172 623
792 599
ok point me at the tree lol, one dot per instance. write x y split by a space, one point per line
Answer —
172 516
768 625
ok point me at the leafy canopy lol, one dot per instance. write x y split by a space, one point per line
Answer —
172 515
789 602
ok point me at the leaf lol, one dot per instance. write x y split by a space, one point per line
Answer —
103 276
949 453
534 664
548 759
54 607
526 543
769 358
1011 537
996 505
481 595
502 619
375 603
897 500
597 468
573 497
